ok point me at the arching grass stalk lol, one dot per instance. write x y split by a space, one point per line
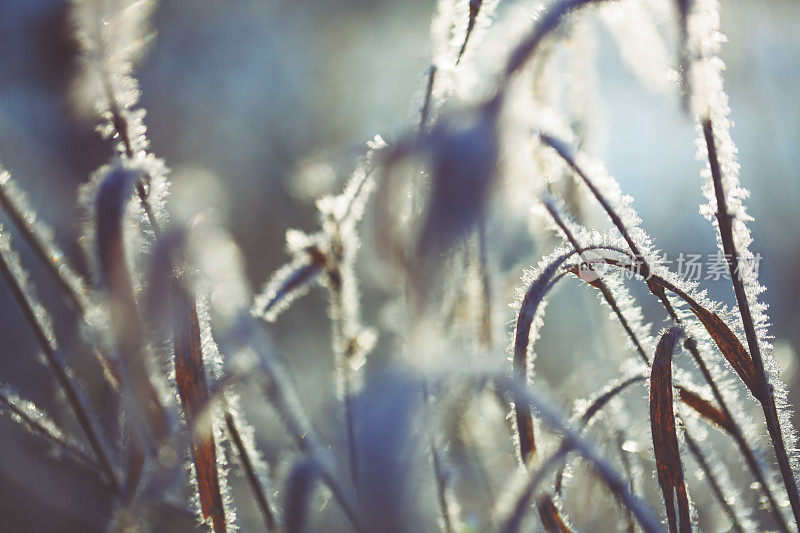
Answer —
593 409
598 282
725 225
548 23
526 318
521 506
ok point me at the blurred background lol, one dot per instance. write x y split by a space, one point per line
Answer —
257 92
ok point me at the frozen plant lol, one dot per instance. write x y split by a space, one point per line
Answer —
433 423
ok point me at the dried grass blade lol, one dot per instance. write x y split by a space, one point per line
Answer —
665 433
252 478
730 346
731 425
705 409
551 518
190 379
725 339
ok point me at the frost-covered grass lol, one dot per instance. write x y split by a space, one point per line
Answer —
445 432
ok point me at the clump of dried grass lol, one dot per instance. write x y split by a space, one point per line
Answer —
166 294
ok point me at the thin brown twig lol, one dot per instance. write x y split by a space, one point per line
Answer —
725 225
252 478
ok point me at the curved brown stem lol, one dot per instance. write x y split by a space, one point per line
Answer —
725 224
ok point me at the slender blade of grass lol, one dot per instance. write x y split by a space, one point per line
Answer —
299 487
250 471
665 433
190 379
593 409
551 518
705 409
732 254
